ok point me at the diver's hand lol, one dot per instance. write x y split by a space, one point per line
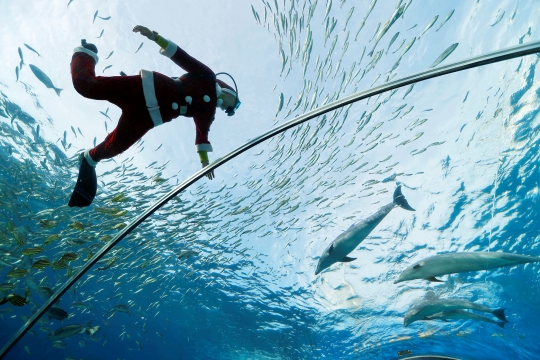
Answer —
210 174
145 32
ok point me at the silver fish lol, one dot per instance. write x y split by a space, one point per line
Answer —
95 15
100 33
44 78
71 330
17 72
445 54
31 49
498 19
107 67
429 26
445 20
387 25
104 18
139 48
56 313
427 308
22 60
351 238
109 55
452 263
394 38
70 1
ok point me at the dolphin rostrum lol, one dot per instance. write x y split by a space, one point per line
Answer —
349 240
452 263
423 310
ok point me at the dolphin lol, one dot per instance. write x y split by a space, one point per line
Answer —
44 78
426 308
452 263
463 315
351 238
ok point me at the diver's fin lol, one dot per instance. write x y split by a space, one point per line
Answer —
400 200
499 314
86 187
433 279
347 259
501 324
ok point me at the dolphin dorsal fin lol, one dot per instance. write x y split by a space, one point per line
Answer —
433 279
347 259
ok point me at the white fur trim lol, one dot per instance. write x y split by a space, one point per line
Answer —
89 158
218 90
204 147
170 50
150 96
85 50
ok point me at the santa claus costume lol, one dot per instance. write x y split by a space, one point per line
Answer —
147 100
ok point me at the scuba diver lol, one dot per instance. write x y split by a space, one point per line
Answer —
147 100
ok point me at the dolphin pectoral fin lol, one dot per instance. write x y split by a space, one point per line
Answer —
347 259
433 279
499 314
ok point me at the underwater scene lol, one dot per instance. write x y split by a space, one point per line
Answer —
314 223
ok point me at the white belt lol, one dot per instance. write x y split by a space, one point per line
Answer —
150 96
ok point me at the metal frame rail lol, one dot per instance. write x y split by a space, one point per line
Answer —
490 58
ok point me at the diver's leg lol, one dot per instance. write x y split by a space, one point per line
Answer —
119 90
131 127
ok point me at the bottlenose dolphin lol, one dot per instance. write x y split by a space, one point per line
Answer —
349 240
464 315
427 308
44 78
452 263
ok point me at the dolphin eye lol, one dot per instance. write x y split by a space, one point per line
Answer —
418 266
331 249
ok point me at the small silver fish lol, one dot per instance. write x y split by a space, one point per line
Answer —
429 26
100 33
70 1
109 55
21 56
139 48
95 15
445 20
445 54
106 18
17 72
32 49
107 67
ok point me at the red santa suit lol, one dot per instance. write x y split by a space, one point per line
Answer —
149 99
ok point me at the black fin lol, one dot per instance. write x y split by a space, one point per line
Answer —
86 187
499 314
331 249
433 279
501 324
347 259
400 200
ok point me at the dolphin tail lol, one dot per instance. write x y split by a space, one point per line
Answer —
499 314
399 200
58 91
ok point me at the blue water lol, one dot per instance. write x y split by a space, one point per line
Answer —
464 148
